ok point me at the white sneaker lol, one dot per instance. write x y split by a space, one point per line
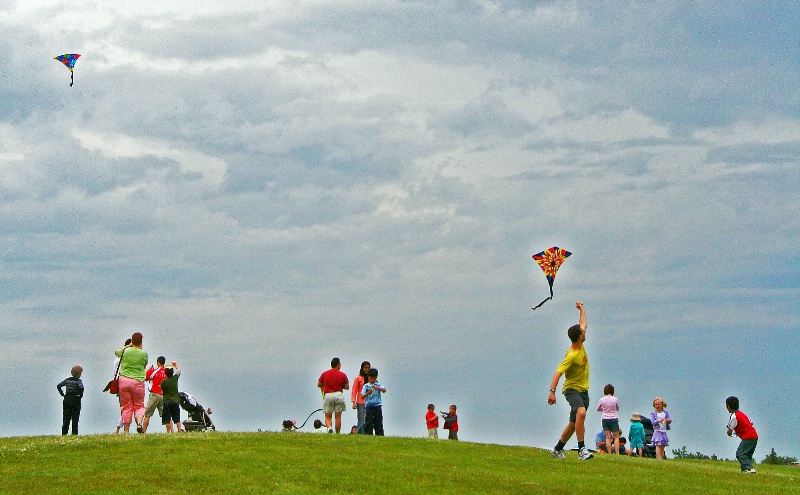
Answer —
558 454
750 471
584 455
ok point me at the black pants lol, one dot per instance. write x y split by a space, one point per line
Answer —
373 420
72 412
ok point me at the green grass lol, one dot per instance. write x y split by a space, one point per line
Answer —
217 463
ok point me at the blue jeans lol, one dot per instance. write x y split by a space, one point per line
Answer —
360 411
744 453
373 420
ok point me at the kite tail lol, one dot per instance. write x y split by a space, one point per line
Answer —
306 421
551 296
538 305
71 78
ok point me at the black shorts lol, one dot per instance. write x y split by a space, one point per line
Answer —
576 401
172 412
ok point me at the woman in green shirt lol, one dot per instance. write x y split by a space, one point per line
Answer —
133 361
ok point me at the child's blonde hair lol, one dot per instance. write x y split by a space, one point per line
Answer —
663 404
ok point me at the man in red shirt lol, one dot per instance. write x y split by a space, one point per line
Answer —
156 401
332 383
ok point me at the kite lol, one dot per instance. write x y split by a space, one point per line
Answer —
549 260
69 60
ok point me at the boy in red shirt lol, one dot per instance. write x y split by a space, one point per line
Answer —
743 427
432 420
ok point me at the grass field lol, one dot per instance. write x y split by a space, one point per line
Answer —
217 463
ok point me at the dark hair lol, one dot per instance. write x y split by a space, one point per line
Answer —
732 402
430 406
127 341
161 360
608 389
136 339
454 407
574 332
361 370
373 372
622 440
335 362
169 372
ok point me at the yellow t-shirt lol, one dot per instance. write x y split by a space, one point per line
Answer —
575 368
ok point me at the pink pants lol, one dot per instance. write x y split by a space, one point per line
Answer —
131 399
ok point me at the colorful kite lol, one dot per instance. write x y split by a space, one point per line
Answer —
549 260
69 60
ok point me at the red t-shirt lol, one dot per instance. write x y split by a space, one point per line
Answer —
333 380
155 376
744 428
432 419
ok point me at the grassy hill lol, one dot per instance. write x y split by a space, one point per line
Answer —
211 463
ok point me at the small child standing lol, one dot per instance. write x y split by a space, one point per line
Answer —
740 424
610 405
172 398
432 421
373 404
451 422
72 399
636 435
661 420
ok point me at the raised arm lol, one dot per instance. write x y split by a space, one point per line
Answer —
581 318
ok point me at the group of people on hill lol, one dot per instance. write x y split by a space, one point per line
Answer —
131 373
608 439
366 398
575 368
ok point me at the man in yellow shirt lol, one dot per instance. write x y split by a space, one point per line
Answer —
575 368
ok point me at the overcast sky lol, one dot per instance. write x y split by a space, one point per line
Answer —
258 187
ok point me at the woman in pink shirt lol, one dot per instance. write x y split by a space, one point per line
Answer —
358 402
610 407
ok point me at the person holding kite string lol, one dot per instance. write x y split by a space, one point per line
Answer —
575 367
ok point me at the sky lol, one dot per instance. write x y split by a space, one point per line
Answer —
259 187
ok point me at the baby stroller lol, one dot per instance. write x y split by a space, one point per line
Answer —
199 419
648 450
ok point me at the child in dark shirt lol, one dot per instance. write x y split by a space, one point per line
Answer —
72 399
451 423
172 399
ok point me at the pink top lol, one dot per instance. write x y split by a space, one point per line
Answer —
355 395
609 405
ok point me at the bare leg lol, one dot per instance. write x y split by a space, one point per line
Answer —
567 433
616 442
338 421
145 424
328 421
608 441
580 423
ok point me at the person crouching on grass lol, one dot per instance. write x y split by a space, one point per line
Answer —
172 398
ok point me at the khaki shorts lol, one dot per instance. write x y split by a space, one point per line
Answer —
154 402
333 402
